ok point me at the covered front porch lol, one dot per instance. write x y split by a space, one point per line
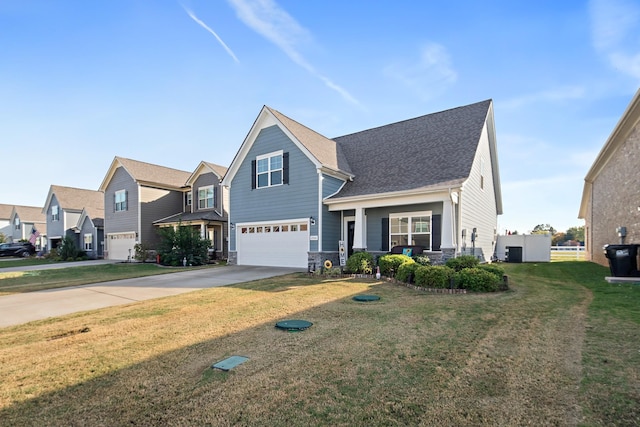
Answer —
210 225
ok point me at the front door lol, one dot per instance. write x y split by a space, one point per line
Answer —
351 228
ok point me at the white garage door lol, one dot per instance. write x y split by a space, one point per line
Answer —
118 245
280 244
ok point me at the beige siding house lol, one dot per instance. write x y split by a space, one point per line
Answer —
611 194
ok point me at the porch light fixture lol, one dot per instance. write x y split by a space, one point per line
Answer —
232 226
312 221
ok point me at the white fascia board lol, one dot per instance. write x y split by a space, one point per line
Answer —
389 199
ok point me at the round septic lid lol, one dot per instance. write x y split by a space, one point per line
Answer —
293 325
366 298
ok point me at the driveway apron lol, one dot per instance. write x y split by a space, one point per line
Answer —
22 308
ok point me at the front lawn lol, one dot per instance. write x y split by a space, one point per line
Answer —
559 348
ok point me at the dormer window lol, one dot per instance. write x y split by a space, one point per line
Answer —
55 215
17 223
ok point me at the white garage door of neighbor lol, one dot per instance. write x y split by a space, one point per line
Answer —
118 245
280 244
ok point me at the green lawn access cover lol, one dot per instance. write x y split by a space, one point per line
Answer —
293 325
366 298
230 362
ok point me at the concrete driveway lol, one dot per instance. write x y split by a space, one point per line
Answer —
22 308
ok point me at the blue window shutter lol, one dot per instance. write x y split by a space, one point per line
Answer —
436 230
253 174
385 235
114 202
126 200
285 168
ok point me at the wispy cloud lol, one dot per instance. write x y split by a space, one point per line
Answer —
553 95
429 75
273 23
206 27
614 30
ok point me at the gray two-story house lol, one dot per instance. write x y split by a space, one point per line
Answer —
297 198
77 213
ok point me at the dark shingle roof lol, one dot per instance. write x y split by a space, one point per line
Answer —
429 151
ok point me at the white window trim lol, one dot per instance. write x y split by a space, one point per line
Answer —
124 205
213 197
269 171
411 215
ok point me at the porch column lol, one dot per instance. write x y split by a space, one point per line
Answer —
359 243
448 222
203 231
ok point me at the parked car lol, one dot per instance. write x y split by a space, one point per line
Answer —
21 249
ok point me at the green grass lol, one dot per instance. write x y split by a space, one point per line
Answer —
560 348
19 262
37 280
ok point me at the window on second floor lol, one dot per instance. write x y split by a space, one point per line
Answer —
206 197
269 170
120 200
187 198
55 214
17 223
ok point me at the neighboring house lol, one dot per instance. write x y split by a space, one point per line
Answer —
66 209
5 220
611 194
204 206
135 195
428 181
24 221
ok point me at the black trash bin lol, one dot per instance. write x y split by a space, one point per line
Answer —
514 253
623 260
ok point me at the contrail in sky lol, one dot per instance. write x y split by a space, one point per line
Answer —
206 27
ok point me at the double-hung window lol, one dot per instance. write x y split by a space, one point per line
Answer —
55 214
206 197
410 229
88 242
269 168
187 199
16 222
121 200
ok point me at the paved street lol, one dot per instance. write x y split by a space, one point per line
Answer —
21 308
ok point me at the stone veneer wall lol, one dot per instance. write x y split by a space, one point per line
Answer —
615 200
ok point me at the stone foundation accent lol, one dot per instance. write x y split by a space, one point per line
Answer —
233 258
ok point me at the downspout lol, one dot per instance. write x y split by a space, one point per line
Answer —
319 220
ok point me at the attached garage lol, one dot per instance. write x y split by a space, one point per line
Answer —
119 244
281 244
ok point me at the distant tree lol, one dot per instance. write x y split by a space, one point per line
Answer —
558 239
576 233
543 229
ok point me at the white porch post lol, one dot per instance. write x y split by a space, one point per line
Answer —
359 243
203 231
448 223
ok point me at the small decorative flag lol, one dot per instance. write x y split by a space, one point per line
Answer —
34 235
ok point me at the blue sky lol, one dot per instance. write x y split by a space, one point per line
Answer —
175 83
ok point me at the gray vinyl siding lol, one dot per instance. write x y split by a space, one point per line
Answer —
122 221
205 180
88 228
331 221
478 205
298 199
54 228
156 204
375 215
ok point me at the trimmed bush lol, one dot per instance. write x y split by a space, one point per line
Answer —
407 271
461 262
477 280
493 268
436 276
421 259
390 263
360 263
